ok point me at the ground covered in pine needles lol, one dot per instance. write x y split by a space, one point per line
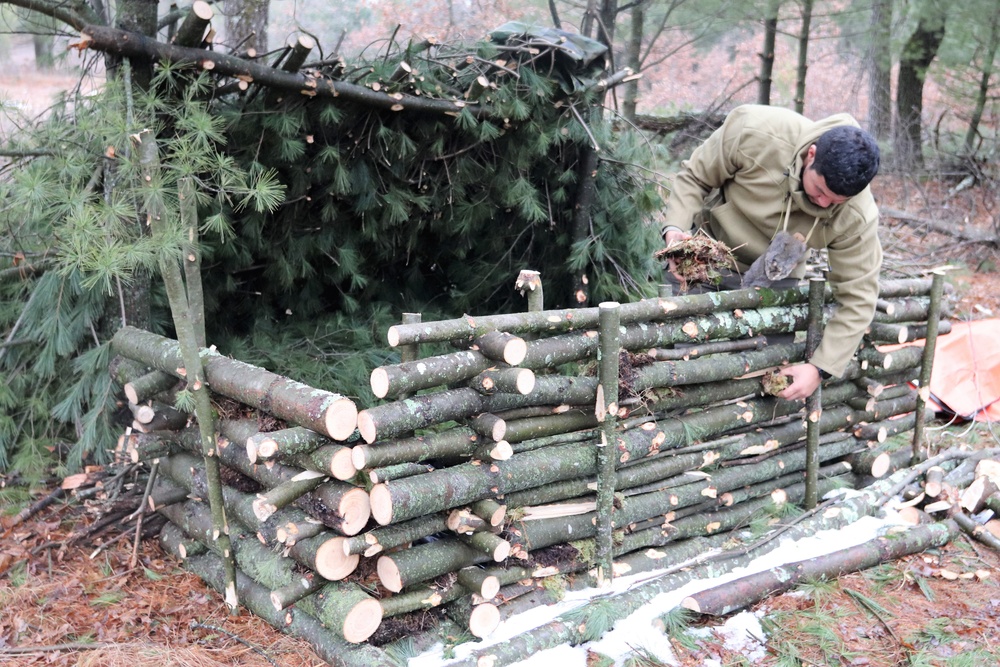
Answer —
73 605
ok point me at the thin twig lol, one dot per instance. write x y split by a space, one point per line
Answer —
72 646
252 647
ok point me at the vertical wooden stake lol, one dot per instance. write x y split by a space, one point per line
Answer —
607 413
926 363
531 282
814 404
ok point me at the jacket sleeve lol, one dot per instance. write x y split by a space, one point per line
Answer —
710 165
855 262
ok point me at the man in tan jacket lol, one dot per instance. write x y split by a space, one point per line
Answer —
769 169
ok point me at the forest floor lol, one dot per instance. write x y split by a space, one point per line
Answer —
88 603
80 604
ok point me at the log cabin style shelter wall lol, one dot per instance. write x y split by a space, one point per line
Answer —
582 443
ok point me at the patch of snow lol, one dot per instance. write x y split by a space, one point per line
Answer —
637 631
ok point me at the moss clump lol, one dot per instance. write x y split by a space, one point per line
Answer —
697 259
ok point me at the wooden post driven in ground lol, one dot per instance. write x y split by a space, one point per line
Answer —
814 404
181 298
926 363
607 414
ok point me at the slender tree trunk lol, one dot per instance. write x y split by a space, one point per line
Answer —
246 24
767 54
630 98
918 53
982 95
800 78
137 16
879 63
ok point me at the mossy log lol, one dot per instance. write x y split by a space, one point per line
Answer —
456 442
149 385
283 444
398 471
284 494
504 380
391 420
705 349
444 369
740 593
556 321
401 569
175 541
380 539
715 368
322 411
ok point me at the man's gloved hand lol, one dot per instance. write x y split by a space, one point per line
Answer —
805 379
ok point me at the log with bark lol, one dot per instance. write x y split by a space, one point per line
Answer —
328 413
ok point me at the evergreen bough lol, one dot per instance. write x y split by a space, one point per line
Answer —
320 219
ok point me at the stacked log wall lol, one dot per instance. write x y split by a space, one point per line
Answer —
480 468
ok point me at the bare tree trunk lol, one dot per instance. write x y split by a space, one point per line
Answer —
800 77
879 63
918 53
246 24
137 16
767 54
630 98
984 84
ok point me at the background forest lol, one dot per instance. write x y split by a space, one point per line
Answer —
321 218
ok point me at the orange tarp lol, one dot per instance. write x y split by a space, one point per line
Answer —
965 377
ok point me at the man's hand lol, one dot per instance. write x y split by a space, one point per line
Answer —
805 379
670 237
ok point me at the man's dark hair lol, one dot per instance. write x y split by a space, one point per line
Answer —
848 158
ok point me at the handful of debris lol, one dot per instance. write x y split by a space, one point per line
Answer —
775 382
697 259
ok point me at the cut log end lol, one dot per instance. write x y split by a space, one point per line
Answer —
381 504
881 465
502 451
342 464
525 382
131 394
262 509
501 551
692 604
359 457
484 619
380 382
341 419
355 508
144 414
332 561
362 621
251 451
203 10
514 351
267 448
366 426
490 587
388 574
392 337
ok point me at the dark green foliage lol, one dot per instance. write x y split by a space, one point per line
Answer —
432 211
321 220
